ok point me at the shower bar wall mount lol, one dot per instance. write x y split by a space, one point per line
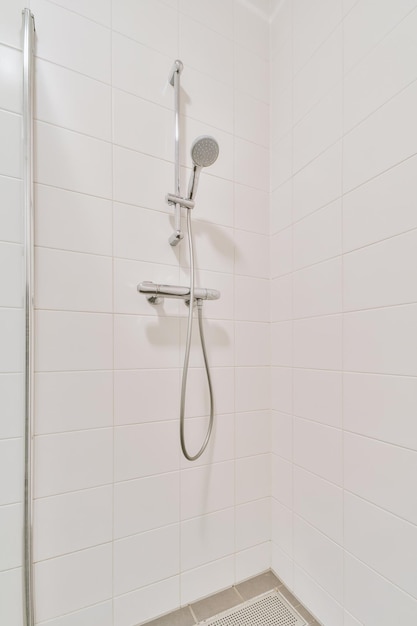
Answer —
155 293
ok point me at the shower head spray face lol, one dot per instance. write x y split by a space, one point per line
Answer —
204 152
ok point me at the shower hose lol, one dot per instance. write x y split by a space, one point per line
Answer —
187 355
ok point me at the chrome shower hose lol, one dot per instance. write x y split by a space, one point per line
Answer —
187 355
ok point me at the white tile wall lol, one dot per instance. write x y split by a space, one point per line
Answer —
207 538
319 557
205 580
87 573
11 318
342 231
337 151
159 549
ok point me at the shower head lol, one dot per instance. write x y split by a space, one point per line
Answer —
204 152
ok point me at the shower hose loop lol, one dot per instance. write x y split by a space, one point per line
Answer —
187 355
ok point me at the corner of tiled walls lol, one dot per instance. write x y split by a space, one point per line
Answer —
343 293
321 330
11 318
125 530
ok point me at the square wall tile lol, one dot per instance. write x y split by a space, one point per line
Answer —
253 561
252 388
317 290
252 28
319 183
320 503
222 441
252 344
11 601
381 407
11 338
198 399
282 480
282 527
11 220
319 236
10 525
11 257
251 209
145 449
146 342
252 299
148 602
10 128
387 481
384 542
159 549
205 49
199 102
55 27
249 64
363 585
146 504
318 449
72 282
11 97
208 579
12 406
312 26
253 524
66 401
60 98
381 341
253 478
319 601
128 59
217 15
10 33
73 341
72 161
152 23
253 433
95 10
11 465
318 396
368 214
63 462
68 220
281 388
137 397
318 343
207 489
207 538
281 434
87 573
73 521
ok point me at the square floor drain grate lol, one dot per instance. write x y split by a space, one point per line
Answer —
270 609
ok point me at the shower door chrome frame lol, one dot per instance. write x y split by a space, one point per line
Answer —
28 65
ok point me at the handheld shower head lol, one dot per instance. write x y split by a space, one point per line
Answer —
204 152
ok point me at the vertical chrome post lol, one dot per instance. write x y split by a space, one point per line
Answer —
28 49
174 80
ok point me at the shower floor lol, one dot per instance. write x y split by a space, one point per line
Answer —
199 612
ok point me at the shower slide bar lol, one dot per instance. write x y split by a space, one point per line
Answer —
174 80
155 293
